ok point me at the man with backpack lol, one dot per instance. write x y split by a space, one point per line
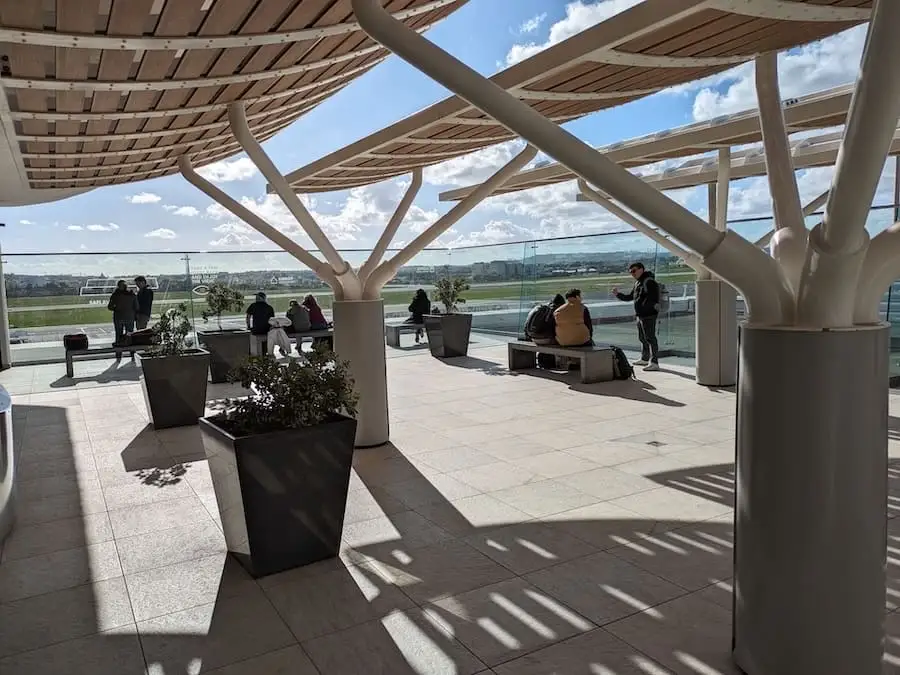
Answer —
540 328
646 298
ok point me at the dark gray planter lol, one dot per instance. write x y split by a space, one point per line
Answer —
175 387
228 349
448 334
282 494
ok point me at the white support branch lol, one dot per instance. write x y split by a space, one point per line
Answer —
692 261
388 269
808 210
723 182
729 255
391 228
320 268
238 119
868 134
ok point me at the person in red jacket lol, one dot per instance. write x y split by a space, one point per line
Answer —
316 317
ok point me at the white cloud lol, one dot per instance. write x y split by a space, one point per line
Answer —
828 63
161 233
229 170
75 228
26 222
494 232
580 16
232 228
188 211
235 240
473 168
109 227
532 24
144 198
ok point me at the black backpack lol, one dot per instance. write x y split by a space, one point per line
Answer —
541 323
622 370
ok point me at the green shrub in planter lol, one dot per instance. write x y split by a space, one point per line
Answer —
280 461
174 382
448 333
228 348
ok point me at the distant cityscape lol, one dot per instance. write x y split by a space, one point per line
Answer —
540 266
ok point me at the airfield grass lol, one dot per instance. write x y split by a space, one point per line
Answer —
72 310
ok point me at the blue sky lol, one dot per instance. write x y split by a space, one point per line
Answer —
170 215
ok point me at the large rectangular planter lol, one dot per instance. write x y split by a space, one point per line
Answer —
175 387
448 334
228 350
282 494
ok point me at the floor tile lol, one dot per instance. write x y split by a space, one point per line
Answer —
667 504
333 601
610 453
288 661
555 464
604 588
401 643
433 490
58 570
527 547
146 518
495 476
30 511
466 516
110 653
213 635
461 458
606 484
505 620
405 530
167 547
59 535
602 524
545 498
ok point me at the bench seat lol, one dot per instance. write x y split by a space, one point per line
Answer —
72 354
597 361
392 331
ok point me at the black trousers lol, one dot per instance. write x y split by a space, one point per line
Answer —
647 335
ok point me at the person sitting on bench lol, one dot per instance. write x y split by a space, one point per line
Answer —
316 317
299 316
573 322
419 307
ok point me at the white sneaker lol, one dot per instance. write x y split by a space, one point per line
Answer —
651 366
641 362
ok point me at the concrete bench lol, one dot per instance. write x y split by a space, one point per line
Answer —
392 332
324 334
596 361
72 354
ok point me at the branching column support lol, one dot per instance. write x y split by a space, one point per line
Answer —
808 210
691 260
729 255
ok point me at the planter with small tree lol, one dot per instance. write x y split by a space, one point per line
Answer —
229 348
448 333
280 461
174 381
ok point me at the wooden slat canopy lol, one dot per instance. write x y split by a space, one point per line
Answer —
645 49
815 111
100 92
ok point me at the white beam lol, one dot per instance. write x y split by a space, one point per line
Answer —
320 268
689 258
729 255
635 60
813 206
388 269
267 167
786 10
391 228
193 43
723 182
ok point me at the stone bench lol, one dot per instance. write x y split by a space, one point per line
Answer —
392 332
596 361
72 354
323 334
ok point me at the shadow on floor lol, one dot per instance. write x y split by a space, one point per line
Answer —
116 372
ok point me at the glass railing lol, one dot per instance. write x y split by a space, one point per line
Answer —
51 295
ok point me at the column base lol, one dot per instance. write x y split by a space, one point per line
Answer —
359 338
810 513
716 333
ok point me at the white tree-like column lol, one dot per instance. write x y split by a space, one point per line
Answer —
358 310
812 420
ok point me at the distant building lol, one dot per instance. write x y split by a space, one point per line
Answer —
497 270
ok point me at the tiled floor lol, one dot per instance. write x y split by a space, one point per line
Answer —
518 525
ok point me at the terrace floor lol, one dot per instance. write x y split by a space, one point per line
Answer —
519 524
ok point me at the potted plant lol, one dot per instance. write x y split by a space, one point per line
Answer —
448 333
280 460
174 381
229 347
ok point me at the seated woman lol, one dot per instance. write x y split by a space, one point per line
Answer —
573 322
316 317
299 316
418 308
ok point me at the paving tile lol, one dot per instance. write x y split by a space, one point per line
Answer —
594 652
432 490
210 636
406 530
464 517
368 504
605 483
58 535
335 600
602 524
58 570
545 498
463 457
505 620
555 464
494 476
141 493
401 643
136 520
603 588
110 653
42 620
612 453
41 488
31 511
511 449
164 590
527 547
668 504
167 547
288 661
687 635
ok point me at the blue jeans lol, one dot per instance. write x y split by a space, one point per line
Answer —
122 326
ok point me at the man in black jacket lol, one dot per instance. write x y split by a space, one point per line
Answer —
144 302
645 295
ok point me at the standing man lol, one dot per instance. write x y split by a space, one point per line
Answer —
144 302
123 305
645 295
258 315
